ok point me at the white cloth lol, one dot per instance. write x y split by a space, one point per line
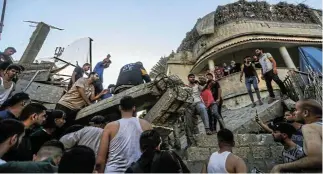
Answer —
124 148
2 161
217 162
265 62
4 93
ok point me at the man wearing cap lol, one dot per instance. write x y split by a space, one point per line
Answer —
89 136
99 69
14 105
6 55
131 75
282 132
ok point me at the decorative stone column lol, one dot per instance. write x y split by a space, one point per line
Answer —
211 65
287 59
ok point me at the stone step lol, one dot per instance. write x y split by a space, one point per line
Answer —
258 150
242 120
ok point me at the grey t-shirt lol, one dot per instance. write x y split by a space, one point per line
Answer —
266 64
196 94
290 155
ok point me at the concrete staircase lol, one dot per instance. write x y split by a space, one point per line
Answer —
257 150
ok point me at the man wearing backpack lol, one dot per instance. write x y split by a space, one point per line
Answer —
269 73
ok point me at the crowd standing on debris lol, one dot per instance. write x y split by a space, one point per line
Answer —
35 139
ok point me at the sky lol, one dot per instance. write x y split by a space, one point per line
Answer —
129 30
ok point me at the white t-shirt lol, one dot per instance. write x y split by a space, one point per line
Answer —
265 62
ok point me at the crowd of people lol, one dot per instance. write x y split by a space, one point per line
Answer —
38 140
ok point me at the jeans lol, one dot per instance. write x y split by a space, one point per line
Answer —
201 110
214 117
270 76
254 82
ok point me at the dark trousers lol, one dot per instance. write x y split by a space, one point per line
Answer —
270 76
98 87
70 115
215 117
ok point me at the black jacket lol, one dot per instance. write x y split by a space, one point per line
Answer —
132 74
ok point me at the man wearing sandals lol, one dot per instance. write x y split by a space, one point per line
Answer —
197 107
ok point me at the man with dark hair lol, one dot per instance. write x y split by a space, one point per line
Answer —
155 160
216 90
7 85
6 55
308 111
224 161
13 106
89 136
131 75
119 146
45 161
80 159
55 120
197 107
78 73
99 69
256 62
11 132
33 114
3 67
269 73
282 132
251 78
110 92
80 95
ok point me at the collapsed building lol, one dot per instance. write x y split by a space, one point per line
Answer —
229 33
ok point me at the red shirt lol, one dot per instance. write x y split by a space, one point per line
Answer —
207 97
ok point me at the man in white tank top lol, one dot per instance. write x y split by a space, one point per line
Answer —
119 146
307 111
224 161
6 82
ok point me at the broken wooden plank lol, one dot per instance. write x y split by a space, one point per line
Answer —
173 100
40 92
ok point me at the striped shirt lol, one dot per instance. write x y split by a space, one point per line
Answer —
290 155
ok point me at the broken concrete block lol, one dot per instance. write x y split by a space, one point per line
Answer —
290 104
40 92
171 101
144 95
242 120
163 131
261 152
243 152
204 140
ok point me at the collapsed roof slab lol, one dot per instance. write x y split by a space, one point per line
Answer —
145 96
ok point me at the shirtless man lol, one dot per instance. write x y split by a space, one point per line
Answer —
119 146
310 112
224 161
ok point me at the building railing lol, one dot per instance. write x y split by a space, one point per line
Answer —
302 85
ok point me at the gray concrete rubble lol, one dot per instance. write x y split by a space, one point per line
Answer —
155 95
257 150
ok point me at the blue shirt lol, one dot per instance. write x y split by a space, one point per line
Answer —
99 68
6 114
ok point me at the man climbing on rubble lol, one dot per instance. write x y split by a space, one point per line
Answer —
7 85
251 78
78 73
308 111
6 55
269 73
99 69
80 95
224 161
131 75
119 146
197 107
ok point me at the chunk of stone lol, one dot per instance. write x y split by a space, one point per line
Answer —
197 153
163 131
242 120
203 140
173 99
40 92
290 104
